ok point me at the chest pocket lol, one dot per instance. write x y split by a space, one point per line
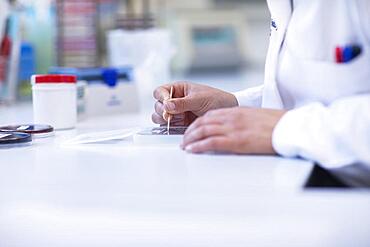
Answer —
312 80
307 68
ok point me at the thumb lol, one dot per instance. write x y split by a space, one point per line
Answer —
178 105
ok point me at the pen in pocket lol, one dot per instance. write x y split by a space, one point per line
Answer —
347 53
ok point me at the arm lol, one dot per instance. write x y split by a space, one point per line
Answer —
334 135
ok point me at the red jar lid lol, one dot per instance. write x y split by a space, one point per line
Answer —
55 79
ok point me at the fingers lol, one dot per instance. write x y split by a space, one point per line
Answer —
177 123
166 116
217 144
179 105
159 108
167 107
219 112
204 132
161 93
158 119
176 120
208 119
160 114
208 133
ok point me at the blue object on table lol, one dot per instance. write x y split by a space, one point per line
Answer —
110 76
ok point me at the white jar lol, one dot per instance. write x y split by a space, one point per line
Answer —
55 100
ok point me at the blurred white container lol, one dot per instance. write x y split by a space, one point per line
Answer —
149 52
55 100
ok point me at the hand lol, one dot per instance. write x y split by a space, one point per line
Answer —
236 130
189 102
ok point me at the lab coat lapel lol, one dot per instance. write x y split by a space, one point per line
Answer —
281 11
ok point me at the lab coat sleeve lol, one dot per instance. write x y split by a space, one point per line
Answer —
334 135
251 97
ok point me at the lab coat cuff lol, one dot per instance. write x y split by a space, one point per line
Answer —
251 97
285 135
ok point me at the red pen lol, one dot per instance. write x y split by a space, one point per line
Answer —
338 54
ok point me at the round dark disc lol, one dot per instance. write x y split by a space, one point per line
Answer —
7 138
28 128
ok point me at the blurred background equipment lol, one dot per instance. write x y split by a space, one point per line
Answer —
151 61
77 33
159 39
104 91
27 68
5 46
209 38
136 15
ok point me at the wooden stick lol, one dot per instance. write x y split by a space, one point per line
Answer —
169 116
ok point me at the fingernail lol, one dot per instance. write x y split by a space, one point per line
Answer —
170 106
189 148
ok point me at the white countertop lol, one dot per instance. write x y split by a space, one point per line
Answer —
121 194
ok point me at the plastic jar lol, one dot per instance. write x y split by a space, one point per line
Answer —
55 100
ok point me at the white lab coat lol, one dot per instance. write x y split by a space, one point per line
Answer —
329 121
